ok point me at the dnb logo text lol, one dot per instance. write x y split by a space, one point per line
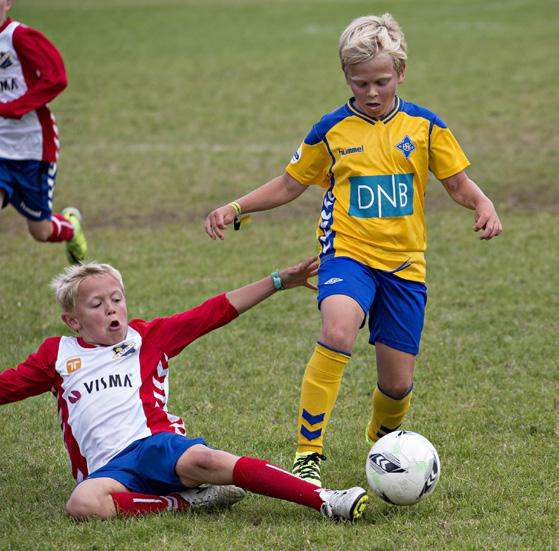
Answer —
381 196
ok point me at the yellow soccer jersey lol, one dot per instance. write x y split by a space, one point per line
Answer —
374 173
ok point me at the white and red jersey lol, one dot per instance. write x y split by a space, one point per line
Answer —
32 74
110 396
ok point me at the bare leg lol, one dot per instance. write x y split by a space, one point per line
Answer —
41 230
202 465
92 498
341 318
394 369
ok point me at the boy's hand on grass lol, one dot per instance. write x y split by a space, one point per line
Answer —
299 274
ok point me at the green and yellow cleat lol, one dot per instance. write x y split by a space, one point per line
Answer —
76 248
307 467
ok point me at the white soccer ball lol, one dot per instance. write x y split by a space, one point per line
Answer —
403 467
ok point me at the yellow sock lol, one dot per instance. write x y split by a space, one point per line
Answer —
388 413
319 391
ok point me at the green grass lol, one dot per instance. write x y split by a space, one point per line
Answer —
177 106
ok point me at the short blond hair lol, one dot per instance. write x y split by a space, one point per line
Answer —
371 35
66 284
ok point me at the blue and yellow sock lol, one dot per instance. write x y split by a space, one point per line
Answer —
388 413
319 391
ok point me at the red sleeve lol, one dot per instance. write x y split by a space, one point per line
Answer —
33 376
43 69
174 333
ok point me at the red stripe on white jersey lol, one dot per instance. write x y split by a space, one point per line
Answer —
77 460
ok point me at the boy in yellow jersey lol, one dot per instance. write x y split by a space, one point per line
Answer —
372 157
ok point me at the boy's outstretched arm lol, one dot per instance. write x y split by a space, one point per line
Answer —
276 192
248 296
466 193
31 377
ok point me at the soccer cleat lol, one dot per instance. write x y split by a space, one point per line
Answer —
344 504
307 467
76 248
212 497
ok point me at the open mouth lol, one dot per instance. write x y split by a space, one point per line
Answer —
114 324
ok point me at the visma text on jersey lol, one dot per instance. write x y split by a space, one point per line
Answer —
112 381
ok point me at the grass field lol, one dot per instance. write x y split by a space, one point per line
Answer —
175 107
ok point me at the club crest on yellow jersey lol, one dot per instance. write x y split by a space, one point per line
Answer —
406 146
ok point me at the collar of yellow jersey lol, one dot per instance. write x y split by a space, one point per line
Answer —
384 119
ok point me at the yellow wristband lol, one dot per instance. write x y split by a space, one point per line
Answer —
237 207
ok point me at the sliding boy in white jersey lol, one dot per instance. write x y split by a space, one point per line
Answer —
129 455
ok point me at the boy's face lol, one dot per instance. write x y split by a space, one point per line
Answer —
374 84
5 5
100 316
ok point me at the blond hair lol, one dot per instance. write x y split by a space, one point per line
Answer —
66 284
369 36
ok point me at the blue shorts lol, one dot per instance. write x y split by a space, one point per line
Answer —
29 187
396 306
147 466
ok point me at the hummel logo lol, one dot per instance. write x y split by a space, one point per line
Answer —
387 463
431 480
349 150
297 155
333 280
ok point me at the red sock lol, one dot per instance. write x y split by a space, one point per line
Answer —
261 477
132 504
62 229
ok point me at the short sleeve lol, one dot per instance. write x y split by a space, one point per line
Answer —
311 163
446 157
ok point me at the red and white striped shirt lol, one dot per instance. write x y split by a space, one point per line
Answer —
32 74
110 396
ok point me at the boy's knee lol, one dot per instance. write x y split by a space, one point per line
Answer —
338 338
200 457
81 508
200 464
40 231
396 389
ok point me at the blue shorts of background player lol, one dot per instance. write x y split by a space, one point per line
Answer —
28 185
395 306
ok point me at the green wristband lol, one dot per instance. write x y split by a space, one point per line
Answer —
278 285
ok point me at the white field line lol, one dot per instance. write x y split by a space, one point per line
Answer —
178 147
